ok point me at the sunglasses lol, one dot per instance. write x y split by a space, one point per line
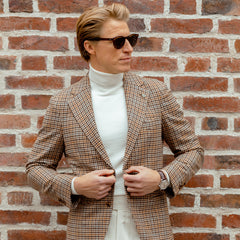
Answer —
118 42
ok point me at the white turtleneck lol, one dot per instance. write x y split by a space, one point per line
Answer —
110 113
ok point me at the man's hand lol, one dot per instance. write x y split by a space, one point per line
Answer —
96 184
141 180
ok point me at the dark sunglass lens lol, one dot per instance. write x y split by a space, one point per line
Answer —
133 39
118 42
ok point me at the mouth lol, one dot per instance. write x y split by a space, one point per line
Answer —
126 59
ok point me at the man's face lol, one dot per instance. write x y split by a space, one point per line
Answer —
105 57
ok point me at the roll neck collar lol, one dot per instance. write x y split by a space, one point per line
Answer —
105 83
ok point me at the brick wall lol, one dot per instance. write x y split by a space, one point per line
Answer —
191 45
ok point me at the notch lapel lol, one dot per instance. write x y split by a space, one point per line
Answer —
81 106
136 100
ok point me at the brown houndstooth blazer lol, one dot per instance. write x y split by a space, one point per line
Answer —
69 127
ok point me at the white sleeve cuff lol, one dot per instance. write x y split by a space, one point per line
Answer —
166 174
72 186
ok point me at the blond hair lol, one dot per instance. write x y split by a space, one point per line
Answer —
91 21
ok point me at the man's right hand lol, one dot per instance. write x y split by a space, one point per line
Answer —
96 184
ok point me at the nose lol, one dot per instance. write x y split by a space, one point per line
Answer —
127 46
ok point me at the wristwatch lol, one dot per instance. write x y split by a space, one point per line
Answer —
164 182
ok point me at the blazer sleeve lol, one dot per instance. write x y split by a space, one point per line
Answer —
45 156
178 134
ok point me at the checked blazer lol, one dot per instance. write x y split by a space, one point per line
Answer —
69 128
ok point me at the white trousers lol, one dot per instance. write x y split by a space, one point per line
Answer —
121 225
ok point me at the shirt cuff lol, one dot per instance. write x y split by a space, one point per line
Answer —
166 174
74 192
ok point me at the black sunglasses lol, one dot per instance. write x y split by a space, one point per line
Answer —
118 42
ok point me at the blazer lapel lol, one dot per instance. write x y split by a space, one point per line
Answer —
136 100
81 106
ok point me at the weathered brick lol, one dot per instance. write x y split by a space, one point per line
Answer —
7 62
149 44
200 45
45 200
183 6
237 45
24 23
40 121
13 159
218 200
216 6
219 142
14 121
186 83
35 101
16 217
192 220
75 79
173 25
214 123
165 64
37 234
237 84
17 6
66 24
136 25
39 43
7 140
183 200
13 179
65 6
20 198
36 63
28 140
143 6
231 65
229 27
202 180
7 101
62 218
230 182
201 236
231 221
237 124
1 6
69 63
40 82
197 65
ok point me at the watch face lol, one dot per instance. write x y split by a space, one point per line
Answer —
163 184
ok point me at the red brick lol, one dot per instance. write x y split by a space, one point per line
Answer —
66 6
183 200
66 24
197 65
219 142
39 43
185 83
45 200
231 221
7 101
136 25
229 27
1 6
7 140
183 6
24 23
40 121
200 236
36 234
230 182
157 78
62 218
173 25
7 62
237 84
203 181
154 64
13 159
13 179
192 220
222 162
213 123
237 45
70 63
143 6
28 140
75 79
40 82
220 201
149 44
201 45
17 6
35 101
214 104
16 217
14 121
231 65
216 7
20 198
237 124
34 63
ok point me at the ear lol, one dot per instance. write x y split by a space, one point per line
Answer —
89 47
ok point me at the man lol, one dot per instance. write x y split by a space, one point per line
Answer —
111 127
